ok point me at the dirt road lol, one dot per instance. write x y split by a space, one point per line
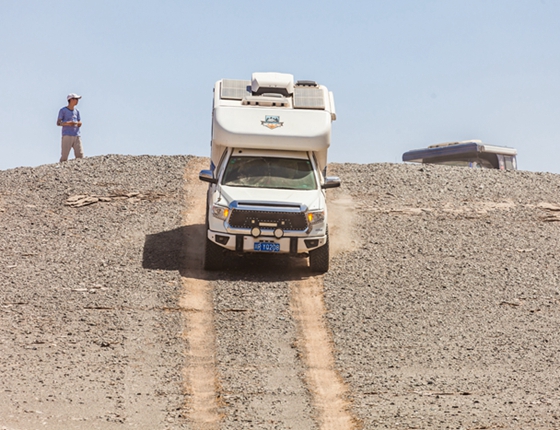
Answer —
263 357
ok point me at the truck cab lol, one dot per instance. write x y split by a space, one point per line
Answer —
267 183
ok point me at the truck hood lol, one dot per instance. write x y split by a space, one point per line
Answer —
313 199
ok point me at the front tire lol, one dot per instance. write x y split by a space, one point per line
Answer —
319 258
214 256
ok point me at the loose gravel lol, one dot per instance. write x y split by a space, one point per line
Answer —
445 314
443 301
88 333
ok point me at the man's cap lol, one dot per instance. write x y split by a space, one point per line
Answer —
73 96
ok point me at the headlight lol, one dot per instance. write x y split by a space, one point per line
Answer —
220 212
315 217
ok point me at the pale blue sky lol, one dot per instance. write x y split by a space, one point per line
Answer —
405 74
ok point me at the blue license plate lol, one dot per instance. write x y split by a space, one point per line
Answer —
266 247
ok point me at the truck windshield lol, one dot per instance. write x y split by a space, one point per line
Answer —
269 172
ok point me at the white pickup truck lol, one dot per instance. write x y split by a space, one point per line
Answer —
267 180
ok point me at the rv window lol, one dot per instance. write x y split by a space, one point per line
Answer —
510 165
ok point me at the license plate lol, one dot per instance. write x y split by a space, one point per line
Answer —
266 247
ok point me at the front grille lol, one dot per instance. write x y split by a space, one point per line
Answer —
271 220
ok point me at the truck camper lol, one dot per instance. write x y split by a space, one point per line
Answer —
267 176
468 153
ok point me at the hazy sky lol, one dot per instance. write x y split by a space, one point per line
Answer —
405 74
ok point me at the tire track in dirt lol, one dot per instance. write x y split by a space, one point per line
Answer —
329 393
327 390
200 374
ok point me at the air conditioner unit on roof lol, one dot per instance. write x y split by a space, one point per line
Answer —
280 83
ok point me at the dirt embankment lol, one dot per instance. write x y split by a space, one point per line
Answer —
440 309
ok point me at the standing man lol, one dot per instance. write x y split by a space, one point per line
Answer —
69 119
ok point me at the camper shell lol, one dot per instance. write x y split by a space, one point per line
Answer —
267 177
470 153
270 112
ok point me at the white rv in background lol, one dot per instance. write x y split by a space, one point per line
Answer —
266 194
468 153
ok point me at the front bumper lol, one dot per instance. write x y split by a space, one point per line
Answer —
244 242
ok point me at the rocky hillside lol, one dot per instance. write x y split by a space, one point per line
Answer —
442 303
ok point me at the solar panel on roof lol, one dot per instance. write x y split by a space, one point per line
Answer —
234 89
309 98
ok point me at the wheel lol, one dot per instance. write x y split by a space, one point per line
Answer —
214 256
319 258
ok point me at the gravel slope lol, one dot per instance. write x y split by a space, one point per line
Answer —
88 335
443 304
446 313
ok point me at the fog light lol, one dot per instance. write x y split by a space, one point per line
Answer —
278 233
311 243
255 232
222 240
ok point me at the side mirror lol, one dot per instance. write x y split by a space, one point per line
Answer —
331 182
207 176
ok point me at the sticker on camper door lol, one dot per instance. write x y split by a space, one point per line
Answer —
272 122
